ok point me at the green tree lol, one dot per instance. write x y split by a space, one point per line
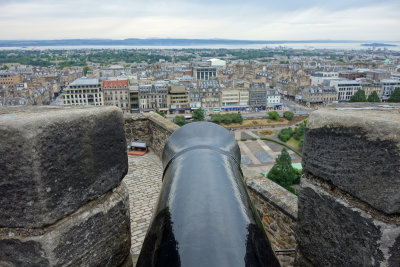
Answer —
273 115
85 70
198 115
282 172
4 67
288 115
373 97
180 120
359 96
216 118
285 134
161 114
395 97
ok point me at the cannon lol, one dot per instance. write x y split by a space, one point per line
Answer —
204 216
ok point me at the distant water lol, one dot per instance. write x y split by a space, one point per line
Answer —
307 46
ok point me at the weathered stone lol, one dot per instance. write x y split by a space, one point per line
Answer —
359 152
54 160
335 229
97 234
149 127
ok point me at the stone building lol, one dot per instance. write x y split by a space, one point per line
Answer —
316 95
84 91
153 96
116 93
178 99
210 93
345 88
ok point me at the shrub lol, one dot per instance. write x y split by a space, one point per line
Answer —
216 118
288 115
285 134
274 115
198 115
254 139
299 131
243 139
180 120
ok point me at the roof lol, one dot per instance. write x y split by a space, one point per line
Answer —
115 84
85 81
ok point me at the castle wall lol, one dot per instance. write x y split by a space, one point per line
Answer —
149 127
277 208
349 200
62 201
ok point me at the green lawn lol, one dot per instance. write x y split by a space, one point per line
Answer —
294 143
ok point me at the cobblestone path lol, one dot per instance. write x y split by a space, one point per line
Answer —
144 184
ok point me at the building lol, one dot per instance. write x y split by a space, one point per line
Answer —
234 100
9 78
273 100
369 88
83 91
388 86
116 93
153 97
316 95
178 99
210 94
345 88
352 75
204 72
257 96
318 78
134 98
218 63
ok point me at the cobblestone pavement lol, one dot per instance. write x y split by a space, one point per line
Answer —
144 184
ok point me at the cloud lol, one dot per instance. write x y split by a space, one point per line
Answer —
234 19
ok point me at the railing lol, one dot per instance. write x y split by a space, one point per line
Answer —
204 216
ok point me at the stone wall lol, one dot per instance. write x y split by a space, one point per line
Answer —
62 202
277 208
349 200
149 127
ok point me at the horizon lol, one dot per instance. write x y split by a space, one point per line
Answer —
254 20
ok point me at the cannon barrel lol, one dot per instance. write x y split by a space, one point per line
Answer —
204 216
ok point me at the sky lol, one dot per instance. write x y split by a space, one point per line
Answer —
200 19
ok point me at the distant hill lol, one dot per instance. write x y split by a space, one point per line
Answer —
377 44
150 42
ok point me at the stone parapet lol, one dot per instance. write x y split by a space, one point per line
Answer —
97 234
56 160
349 201
149 127
62 201
277 208
358 151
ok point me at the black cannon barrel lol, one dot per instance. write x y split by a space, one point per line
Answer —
204 216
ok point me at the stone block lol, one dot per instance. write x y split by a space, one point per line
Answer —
335 229
357 151
54 160
97 234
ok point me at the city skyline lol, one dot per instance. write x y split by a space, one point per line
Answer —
254 20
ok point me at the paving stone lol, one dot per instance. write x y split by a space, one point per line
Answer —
144 184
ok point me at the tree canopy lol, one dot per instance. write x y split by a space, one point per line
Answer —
198 115
374 97
180 120
273 115
288 115
283 173
395 97
359 96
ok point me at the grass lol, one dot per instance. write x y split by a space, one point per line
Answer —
294 143
267 132
257 122
282 144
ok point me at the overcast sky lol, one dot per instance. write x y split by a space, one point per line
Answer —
232 19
